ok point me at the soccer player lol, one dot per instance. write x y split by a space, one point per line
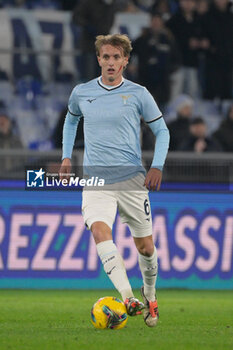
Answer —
112 107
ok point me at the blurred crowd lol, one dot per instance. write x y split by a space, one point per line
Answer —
184 57
188 48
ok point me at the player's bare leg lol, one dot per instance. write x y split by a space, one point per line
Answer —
114 266
148 266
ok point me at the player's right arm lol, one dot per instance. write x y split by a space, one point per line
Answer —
69 133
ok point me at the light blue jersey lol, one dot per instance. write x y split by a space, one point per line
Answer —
112 117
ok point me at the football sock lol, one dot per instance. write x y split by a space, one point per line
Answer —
114 267
149 268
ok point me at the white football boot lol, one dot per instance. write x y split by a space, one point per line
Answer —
151 312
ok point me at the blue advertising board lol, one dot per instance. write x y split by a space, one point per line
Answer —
45 244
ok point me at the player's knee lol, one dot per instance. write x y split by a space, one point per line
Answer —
101 232
146 249
145 245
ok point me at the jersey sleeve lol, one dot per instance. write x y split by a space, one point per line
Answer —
149 109
161 132
69 134
73 105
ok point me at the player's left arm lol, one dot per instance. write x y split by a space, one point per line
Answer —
154 176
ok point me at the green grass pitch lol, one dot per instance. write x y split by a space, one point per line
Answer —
54 320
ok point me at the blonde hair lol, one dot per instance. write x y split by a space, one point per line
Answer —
116 40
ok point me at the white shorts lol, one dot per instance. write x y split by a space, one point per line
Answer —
133 207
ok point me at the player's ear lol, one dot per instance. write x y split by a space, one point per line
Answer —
126 61
98 58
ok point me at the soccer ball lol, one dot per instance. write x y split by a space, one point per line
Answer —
109 312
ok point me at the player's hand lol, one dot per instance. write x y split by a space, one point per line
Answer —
153 179
65 169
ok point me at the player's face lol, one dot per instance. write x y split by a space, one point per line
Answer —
112 62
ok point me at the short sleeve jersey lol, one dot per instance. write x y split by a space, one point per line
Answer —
112 121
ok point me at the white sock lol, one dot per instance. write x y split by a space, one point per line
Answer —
114 267
149 267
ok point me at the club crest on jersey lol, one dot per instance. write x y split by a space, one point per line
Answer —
125 98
